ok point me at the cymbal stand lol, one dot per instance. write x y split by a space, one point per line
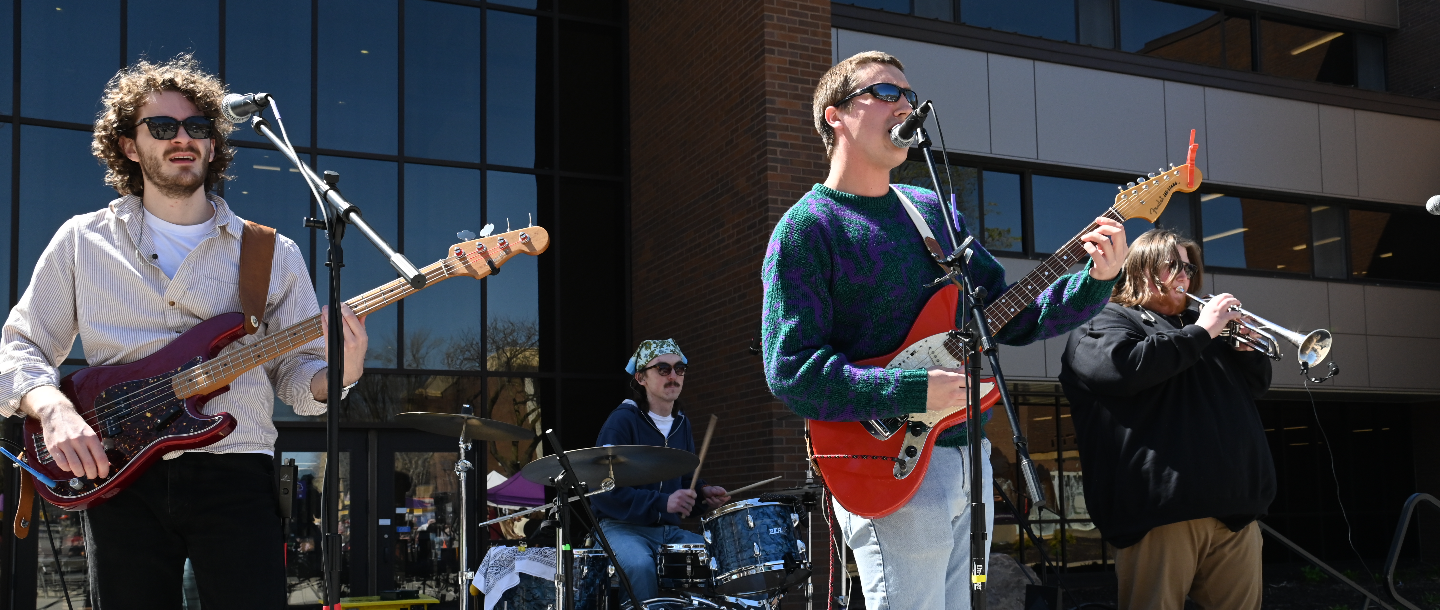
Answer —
462 468
566 483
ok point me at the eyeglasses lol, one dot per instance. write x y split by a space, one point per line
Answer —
885 92
664 368
166 128
1176 265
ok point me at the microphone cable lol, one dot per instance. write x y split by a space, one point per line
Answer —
1335 476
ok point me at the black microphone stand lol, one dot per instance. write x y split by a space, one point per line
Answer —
337 212
976 339
566 484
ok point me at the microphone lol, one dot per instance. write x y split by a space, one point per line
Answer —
238 108
1433 206
903 135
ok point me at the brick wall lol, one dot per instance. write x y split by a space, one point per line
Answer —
1413 51
722 144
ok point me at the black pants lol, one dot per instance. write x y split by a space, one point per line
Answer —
220 510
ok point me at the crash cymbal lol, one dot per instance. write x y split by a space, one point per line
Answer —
631 464
454 424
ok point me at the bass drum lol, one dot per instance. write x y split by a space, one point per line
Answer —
591 570
754 547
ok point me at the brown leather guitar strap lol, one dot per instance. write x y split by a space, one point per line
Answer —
27 504
257 250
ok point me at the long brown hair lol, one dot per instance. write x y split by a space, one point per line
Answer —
1148 255
130 89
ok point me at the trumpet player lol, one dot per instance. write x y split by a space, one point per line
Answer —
1177 468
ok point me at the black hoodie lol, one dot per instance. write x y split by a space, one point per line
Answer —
1166 422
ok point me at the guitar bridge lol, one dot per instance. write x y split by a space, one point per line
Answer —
883 429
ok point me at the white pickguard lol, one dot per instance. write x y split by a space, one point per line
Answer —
930 352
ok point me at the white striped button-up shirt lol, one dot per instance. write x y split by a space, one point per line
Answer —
98 280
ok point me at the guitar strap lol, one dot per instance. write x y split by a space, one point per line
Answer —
26 506
257 250
923 227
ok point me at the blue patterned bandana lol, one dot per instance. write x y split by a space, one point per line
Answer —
651 348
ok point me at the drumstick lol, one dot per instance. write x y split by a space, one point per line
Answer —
752 486
703 447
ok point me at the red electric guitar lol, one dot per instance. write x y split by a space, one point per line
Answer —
150 407
874 467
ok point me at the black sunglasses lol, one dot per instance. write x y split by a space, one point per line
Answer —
664 368
1176 265
885 92
166 128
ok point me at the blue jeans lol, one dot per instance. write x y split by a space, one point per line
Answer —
918 557
635 546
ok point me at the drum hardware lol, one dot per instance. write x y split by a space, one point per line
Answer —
566 482
623 465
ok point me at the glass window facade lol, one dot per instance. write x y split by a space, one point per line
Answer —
427 110
1200 32
1030 214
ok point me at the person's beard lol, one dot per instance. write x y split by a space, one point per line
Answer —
180 185
1171 302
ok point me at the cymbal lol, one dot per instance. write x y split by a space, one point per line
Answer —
455 424
632 465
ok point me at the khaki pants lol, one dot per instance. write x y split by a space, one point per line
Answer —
1218 568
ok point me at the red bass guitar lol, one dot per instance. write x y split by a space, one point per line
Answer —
150 407
874 467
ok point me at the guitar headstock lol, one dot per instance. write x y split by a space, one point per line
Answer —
482 257
1148 197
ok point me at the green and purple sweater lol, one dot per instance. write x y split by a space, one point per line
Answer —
845 280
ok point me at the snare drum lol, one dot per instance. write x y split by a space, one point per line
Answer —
684 565
754 547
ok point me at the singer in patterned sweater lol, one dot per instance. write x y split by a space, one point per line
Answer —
845 277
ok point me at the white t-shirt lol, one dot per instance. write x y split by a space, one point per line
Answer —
174 242
662 422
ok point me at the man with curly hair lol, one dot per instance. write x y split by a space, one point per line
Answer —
129 278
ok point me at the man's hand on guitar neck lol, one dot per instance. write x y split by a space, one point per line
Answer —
75 447
1107 248
356 343
947 389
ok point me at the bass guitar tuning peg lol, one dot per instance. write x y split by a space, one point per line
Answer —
1129 185
466 235
487 230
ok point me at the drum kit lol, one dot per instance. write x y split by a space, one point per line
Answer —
752 556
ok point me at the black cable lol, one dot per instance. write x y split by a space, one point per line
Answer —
1349 531
55 554
19 448
945 159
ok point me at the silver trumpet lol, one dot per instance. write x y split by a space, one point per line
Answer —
1313 347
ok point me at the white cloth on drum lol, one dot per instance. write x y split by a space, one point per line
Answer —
904 557
503 566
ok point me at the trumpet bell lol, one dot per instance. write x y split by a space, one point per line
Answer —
1314 347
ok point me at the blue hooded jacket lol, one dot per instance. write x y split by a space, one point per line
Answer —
643 504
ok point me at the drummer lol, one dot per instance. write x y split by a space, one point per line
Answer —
637 520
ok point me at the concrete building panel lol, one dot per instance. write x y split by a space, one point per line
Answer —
1347 308
1012 106
1185 110
1262 141
1099 119
1379 12
1397 157
1402 312
1352 354
1337 151
1407 363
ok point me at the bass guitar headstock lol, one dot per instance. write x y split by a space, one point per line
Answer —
483 257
